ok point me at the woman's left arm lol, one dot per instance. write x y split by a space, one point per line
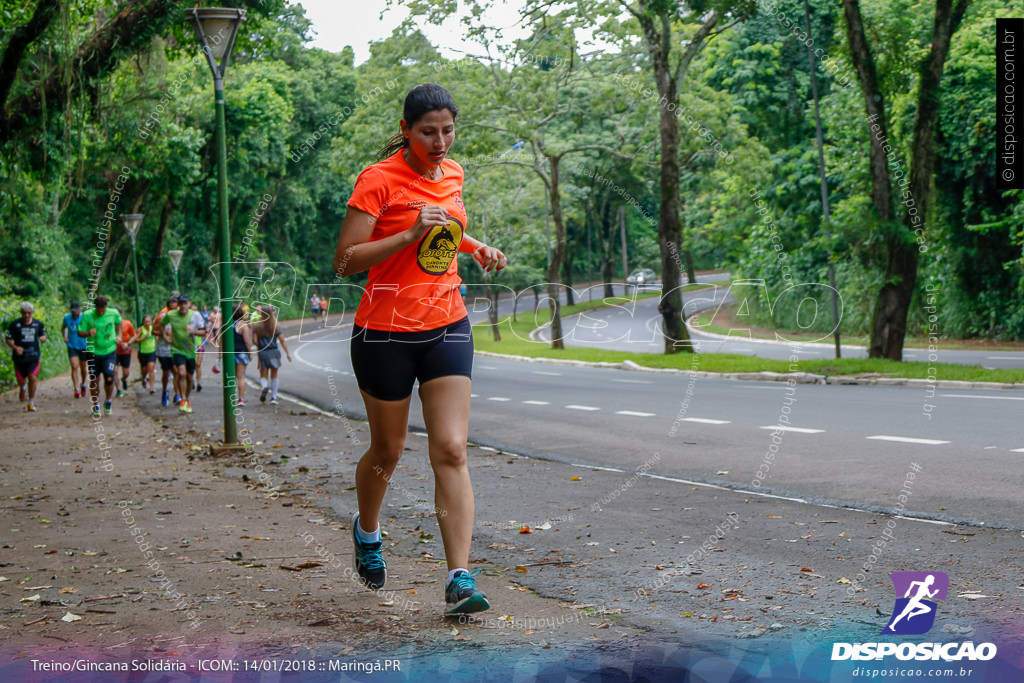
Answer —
280 339
489 258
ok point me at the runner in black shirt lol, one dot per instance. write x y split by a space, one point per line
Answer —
24 336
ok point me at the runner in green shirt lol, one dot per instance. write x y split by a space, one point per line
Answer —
102 327
147 352
184 324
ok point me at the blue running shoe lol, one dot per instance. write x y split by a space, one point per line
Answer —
463 597
369 564
177 399
163 401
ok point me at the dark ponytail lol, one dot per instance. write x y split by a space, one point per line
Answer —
421 100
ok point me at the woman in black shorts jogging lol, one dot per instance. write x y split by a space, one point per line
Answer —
405 223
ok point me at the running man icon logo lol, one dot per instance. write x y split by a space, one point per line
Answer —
914 612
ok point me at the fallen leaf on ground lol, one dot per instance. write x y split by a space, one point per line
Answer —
69 617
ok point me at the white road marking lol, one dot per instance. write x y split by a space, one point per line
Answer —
537 403
633 381
498 398
1004 357
799 430
487 367
908 439
1017 450
573 406
549 374
474 395
633 413
705 420
994 398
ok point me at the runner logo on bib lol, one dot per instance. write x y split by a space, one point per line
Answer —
438 247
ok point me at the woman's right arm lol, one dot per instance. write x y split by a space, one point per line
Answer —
356 253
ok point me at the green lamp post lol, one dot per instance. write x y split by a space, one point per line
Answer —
216 28
132 222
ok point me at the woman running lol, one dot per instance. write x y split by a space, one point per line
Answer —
147 352
213 337
268 337
405 223
243 344
162 332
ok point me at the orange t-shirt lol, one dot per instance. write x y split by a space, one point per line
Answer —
416 288
127 332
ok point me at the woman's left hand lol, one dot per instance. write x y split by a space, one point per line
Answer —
490 258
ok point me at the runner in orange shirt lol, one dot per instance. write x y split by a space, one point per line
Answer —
124 353
405 223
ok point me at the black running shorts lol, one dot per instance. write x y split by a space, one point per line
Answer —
387 364
102 365
189 363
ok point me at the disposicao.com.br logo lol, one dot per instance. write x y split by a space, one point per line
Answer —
914 614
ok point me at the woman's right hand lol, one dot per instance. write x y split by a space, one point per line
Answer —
428 217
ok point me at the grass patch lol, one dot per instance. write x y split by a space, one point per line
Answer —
515 340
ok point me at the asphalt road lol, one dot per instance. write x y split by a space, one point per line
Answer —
636 326
845 445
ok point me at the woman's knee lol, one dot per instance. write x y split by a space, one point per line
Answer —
385 454
448 453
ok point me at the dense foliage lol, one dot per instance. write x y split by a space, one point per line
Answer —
84 106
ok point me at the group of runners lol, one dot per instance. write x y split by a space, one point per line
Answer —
100 342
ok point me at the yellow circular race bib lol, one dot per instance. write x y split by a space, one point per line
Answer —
438 247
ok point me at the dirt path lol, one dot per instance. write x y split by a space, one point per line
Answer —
157 549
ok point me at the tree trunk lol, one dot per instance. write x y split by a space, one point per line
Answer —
691 274
608 247
567 277
658 40
670 307
557 256
161 232
492 309
19 42
889 323
124 35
